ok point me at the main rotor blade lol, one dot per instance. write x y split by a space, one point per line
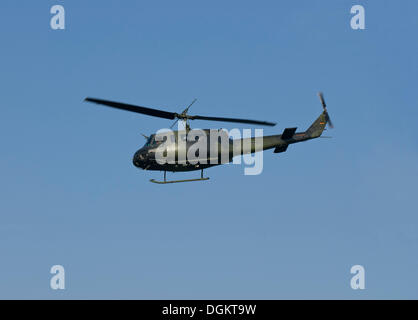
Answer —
187 109
133 108
174 123
170 115
264 123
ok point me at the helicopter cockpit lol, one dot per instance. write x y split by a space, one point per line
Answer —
150 141
155 141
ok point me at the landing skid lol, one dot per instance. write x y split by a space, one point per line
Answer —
177 181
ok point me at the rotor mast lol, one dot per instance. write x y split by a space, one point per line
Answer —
184 117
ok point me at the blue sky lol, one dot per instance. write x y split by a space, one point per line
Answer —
71 196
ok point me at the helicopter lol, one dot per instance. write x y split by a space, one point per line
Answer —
146 159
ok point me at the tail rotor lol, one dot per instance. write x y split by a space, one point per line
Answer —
328 119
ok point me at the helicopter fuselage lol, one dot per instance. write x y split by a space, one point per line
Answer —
217 152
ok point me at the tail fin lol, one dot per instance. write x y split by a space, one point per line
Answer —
316 129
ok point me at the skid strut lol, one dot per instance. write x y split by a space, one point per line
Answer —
177 181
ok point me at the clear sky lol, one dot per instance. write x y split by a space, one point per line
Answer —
71 196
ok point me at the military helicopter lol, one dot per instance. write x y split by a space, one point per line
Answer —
145 158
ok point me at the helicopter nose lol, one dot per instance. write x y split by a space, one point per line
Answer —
137 159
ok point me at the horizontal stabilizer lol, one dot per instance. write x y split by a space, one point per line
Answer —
281 148
288 133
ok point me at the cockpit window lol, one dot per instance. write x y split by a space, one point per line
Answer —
151 141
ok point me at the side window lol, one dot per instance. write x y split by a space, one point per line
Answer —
159 141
